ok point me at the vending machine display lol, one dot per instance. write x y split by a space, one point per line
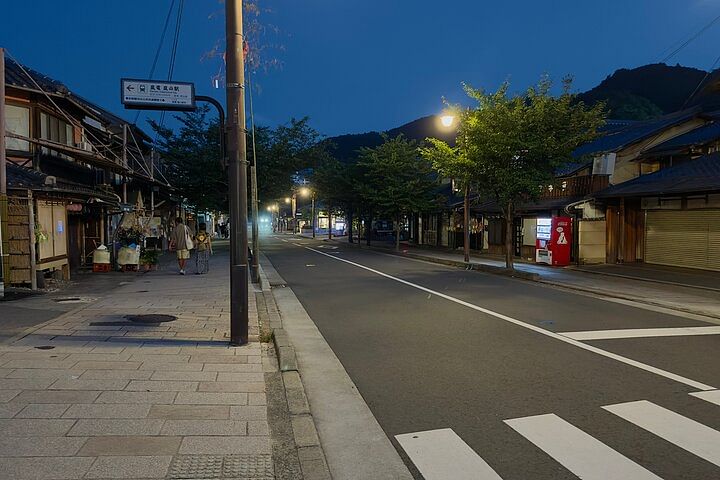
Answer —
553 244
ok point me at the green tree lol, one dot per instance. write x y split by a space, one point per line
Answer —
193 159
518 142
339 186
399 181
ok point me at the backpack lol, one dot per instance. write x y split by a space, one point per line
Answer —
202 241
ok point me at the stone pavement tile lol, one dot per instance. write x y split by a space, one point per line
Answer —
31 427
40 363
240 445
258 427
7 395
218 359
189 412
231 367
140 357
45 468
257 399
207 350
95 365
43 410
100 357
251 412
57 396
117 374
99 427
185 376
172 367
130 445
49 374
34 355
204 427
137 397
206 398
148 348
83 384
254 359
231 387
9 410
51 446
240 377
161 386
304 431
130 467
97 410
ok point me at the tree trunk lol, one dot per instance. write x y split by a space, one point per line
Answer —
509 217
350 226
368 229
397 232
466 224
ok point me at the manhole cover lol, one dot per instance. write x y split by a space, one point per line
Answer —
45 347
151 318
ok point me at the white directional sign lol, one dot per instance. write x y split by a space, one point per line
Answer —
157 95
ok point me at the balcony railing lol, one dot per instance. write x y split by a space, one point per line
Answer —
575 186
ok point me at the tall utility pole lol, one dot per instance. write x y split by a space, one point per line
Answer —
4 242
237 172
255 267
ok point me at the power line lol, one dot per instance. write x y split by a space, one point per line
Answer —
173 56
691 39
707 74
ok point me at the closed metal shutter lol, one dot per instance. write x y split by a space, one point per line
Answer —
683 238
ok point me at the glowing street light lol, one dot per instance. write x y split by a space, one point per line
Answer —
447 121
287 199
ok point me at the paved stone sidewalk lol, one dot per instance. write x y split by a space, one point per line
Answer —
92 394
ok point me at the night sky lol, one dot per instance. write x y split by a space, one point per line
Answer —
359 65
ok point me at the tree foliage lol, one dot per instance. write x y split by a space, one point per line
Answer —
398 181
193 159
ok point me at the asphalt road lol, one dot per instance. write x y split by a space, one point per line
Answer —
433 347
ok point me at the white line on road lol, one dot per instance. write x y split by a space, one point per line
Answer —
542 331
583 455
641 333
712 396
442 454
688 434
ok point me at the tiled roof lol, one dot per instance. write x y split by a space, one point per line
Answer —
696 176
699 136
22 178
620 138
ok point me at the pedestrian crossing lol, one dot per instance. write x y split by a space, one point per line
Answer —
442 454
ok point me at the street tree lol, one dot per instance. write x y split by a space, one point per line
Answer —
399 180
193 160
518 142
339 186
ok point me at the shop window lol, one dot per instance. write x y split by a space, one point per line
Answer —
17 121
55 130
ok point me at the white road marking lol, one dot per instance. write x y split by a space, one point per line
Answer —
688 434
442 454
712 396
583 455
641 333
535 328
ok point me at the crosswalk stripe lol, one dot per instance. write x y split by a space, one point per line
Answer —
641 333
684 432
712 396
442 454
583 455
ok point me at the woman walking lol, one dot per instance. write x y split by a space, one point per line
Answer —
203 247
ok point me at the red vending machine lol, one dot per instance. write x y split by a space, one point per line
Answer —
553 241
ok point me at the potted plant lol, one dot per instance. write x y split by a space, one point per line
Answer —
149 258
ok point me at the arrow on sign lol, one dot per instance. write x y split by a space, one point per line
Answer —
130 88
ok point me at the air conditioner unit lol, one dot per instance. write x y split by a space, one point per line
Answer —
50 180
87 146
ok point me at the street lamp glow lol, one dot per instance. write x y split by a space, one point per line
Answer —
304 191
447 120
287 199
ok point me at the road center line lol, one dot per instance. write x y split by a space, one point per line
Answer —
542 331
641 333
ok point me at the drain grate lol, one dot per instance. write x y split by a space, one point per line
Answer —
245 467
151 318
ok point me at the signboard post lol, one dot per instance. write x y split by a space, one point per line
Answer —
157 95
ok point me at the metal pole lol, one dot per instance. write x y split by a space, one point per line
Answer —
313 213
31 228
237 172
255 267
4 243
125 162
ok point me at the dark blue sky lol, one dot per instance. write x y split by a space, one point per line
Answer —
358 65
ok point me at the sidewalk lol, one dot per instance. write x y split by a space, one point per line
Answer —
92 394
676 289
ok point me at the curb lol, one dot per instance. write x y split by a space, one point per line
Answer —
310 452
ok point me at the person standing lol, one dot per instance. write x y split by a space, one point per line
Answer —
182 243
203 245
